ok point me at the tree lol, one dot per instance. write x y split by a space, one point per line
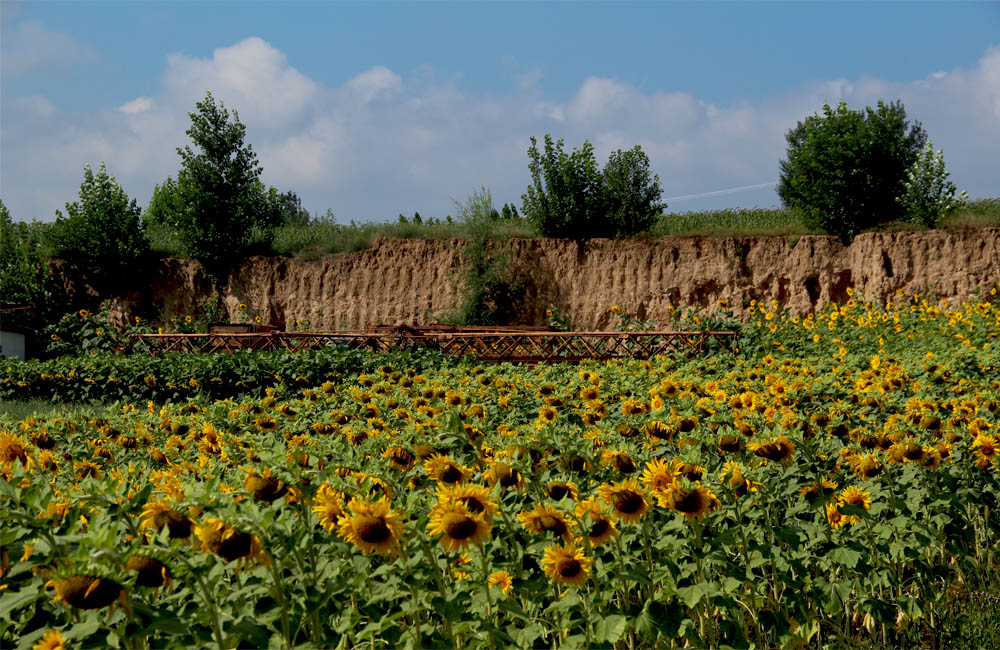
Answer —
24 274
632 195
846 168
166 205
566 198
928 195
571 197
101 235
223 201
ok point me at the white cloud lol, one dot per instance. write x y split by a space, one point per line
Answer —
379 144
31 49
137 105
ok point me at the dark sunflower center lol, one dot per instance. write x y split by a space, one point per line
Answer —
624 464
570 568
691 472
628 502
913 452
729 443
557 492
552 524
451 475
462 529
509 478
374 531
600 527
474 505
686 425
688 501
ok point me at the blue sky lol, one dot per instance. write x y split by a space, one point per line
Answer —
372 109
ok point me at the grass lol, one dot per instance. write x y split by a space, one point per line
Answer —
23 409
732 222
311 242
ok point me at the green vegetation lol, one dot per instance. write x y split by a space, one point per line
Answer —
220 190
101 237
571 197
834 485
176 376
846 168
488 289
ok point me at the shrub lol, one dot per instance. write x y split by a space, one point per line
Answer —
571 197
102 236
929 196
566 198
24 275
846 168
488 290
632 195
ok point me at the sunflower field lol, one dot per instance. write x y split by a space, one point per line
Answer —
833 484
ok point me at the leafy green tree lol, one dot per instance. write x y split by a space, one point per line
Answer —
101 236
566 198
224 205
571 197
166 205
929 196
845 168
632 194
24 275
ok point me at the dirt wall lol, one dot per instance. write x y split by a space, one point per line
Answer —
415 281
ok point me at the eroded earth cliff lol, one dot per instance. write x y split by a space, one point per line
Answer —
416 281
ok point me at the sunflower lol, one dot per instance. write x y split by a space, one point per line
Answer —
659 477
457 525
12 448
400 458
545 518
223 540
729 444
566 564
602 526
474 497
502 580
150 571
633 407
740 484
694 503
819 489
266 423
157 514
87 591
589 393
854 496
52 640
866 466
547 414
444 470
503 475
985 449
264 487
371 526
626 498
620 460
328 506
775 451
86 469
559 490
834 516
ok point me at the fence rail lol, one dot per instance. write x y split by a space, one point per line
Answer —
496 345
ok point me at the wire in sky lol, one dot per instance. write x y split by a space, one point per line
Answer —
731 190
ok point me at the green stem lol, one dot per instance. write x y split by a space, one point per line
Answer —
439 576
489 596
